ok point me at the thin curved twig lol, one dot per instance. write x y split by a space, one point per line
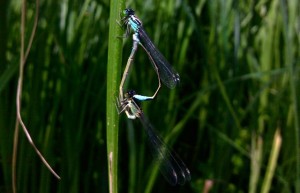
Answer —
19 120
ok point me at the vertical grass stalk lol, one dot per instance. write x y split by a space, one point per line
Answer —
290 14
266 185
113 74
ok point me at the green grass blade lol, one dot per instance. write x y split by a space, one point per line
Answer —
113 74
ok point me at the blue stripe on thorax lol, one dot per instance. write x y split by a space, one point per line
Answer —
134 23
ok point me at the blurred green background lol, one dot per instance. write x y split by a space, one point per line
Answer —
239 68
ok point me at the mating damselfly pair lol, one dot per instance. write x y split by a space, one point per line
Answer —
171 166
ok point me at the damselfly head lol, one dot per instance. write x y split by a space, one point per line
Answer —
128 12
130 94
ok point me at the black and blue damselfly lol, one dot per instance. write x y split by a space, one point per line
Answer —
164 70
171 166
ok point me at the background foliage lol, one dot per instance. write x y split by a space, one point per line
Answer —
236 108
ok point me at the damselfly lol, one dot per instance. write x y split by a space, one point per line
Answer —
164 70
170 165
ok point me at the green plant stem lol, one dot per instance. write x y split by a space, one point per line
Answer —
113 74
290 13
256 161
